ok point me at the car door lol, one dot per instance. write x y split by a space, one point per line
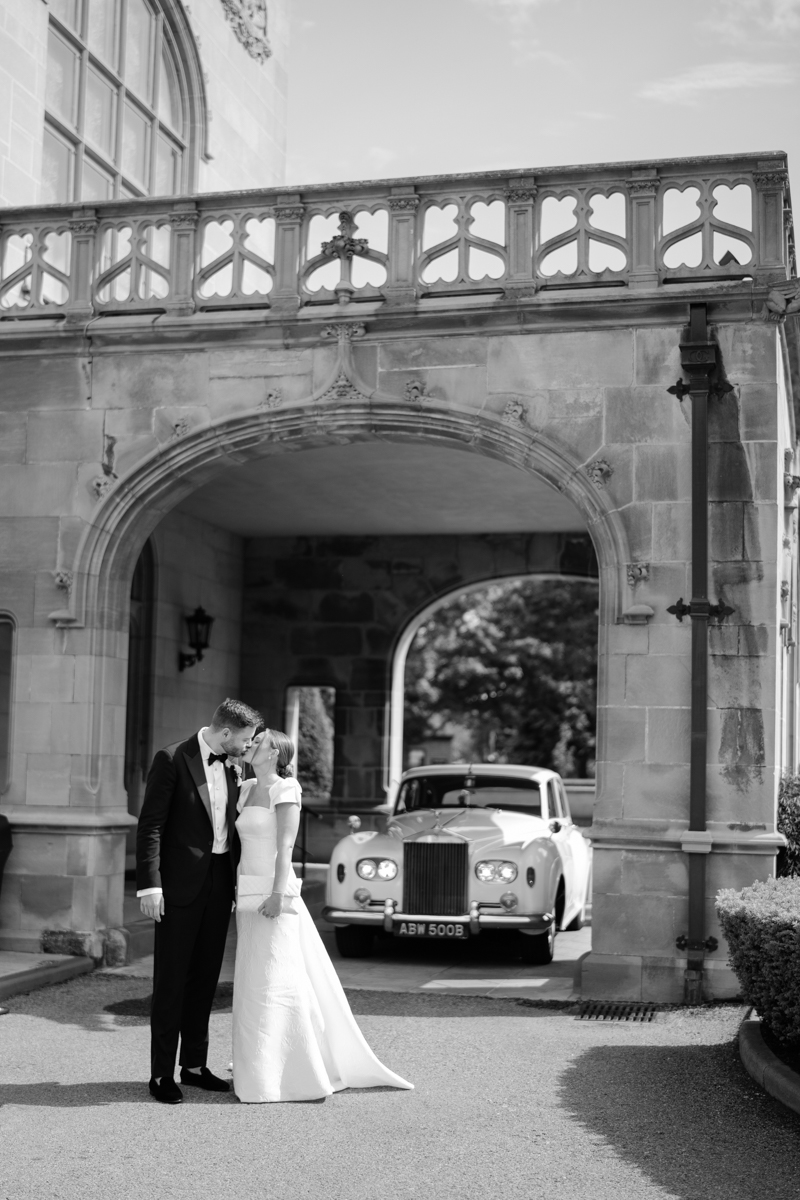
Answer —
581 853
561 833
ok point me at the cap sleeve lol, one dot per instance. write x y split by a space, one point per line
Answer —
285 791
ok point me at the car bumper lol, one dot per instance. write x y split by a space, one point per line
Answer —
385 918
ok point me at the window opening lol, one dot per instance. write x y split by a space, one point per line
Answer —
115 117
310 715
461 790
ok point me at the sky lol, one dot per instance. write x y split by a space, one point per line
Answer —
382 88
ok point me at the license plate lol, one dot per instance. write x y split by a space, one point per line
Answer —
431 929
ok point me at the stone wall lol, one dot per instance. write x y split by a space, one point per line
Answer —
640 880
23 70
196 564
246 99
106 434
329 611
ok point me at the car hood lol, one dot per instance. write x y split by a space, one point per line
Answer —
482 827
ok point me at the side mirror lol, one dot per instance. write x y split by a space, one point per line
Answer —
555 826
354 822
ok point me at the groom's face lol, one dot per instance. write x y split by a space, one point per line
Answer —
235 742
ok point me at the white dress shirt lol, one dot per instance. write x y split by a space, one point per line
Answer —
217 794
218 797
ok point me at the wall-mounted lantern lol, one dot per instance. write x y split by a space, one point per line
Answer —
199 625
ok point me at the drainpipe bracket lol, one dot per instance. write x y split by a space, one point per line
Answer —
696 841
709 945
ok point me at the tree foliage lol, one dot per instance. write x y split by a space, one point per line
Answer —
315 741
789 825
516 665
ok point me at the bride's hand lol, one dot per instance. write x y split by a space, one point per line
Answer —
271 907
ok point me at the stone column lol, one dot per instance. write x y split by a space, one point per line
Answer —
520 199
640 830
183 222
771 181
289 213
401 284
63 884
84 229
642 234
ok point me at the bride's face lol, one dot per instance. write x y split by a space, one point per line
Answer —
262 754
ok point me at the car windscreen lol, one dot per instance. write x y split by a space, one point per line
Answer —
469 791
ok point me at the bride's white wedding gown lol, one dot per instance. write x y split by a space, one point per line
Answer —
294 1036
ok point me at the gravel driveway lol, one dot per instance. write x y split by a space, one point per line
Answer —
511 1100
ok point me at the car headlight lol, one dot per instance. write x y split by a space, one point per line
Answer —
376 868
496 871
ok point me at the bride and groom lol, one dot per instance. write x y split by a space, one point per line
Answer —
223 801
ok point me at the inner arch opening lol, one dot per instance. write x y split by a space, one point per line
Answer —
501 657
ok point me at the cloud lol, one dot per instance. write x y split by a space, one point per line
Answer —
691 85
380 157
742 21
523 42
530 49
514 8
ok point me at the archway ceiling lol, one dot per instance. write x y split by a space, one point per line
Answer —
381 488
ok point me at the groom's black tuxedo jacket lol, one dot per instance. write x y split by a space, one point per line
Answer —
176 832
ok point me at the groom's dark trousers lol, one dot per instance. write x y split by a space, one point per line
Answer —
174 851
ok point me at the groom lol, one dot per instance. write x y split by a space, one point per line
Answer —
187 850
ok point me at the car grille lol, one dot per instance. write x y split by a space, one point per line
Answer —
435 878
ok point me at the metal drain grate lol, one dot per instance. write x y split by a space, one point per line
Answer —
615 1010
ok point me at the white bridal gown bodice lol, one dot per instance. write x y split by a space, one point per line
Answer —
294 1036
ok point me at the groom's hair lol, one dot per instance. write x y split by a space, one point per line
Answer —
234 714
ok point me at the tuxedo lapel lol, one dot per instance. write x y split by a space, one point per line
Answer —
233 799
194 761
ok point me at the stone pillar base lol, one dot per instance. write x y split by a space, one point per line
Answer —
63 883
653 980
108 947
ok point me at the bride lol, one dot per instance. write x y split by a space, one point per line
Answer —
294 1036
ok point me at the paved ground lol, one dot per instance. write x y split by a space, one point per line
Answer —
511 1100
485 968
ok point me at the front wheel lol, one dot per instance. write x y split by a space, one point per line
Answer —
537 949
354 941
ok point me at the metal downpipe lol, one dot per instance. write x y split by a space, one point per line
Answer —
699 362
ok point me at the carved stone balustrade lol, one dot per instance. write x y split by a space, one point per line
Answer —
508 237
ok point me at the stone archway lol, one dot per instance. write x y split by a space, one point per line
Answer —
127 515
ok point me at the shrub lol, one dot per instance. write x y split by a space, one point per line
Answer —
762 927
789 825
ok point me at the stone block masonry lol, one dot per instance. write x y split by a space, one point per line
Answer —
329 611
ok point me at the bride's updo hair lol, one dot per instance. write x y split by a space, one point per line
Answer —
285 747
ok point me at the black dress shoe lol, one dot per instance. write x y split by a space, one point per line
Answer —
205 1080
166 1090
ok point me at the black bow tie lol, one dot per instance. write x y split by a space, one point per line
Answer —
212 758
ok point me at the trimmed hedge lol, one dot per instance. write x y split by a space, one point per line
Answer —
762 927
789 825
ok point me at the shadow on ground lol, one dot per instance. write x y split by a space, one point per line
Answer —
688 1116
102 1003
370 1004
87 1095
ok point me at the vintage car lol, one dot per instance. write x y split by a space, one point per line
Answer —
469 849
